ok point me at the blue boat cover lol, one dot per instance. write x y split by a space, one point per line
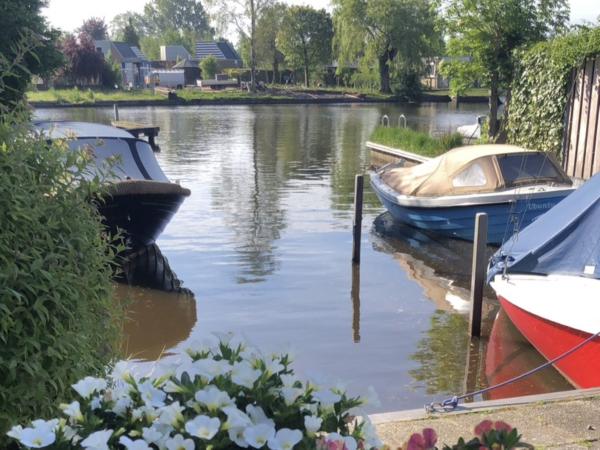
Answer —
565 240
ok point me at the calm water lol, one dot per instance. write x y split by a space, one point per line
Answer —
265 242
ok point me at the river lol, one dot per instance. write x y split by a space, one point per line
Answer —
265 243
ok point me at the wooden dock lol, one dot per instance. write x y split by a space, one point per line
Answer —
382 154
139 129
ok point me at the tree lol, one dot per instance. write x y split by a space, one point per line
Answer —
209 67
121 21
95 27
84 65
489 30
129 34
22 25
385 31
244 15
267 27
305 38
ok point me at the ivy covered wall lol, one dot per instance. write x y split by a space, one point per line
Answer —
541 88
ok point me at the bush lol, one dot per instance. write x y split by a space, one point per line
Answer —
415 141
408 85
209 67
541 87
216 395
57 318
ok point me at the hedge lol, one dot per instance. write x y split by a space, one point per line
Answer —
541 86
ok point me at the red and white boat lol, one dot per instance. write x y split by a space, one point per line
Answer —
556 313
547 278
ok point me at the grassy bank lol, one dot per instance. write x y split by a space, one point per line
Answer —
472 92
415 141
275 94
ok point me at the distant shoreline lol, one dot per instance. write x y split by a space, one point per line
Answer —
426 98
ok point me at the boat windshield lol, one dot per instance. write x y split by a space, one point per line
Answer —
526 168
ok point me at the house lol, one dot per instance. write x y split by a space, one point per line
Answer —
191 70
134 64
174 53
223 51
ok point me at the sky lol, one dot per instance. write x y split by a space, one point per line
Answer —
69 14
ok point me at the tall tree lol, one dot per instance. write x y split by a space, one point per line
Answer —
489 30
305 38
267 53
121 21
95 27
244 15
84 64
130 35
21 22
385 31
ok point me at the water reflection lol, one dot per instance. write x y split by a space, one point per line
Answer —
509 355
156 321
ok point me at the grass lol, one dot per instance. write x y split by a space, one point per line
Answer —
415 141
88 96
77 96
472 92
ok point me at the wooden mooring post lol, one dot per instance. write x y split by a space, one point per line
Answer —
116 112
357 223
478 273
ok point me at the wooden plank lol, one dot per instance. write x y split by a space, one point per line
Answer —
592 113
585 110
357 225
397 152
574 127
478 269
595 166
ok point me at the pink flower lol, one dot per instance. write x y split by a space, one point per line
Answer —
484 427
424 441
502 426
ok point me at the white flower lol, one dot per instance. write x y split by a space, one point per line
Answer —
257 415
285 439
177 442
15 432
89 385
96 402
148 412
327 398
171 414
121 371
213 398
203 427
97 440
71 434
236 435
50 425
236 418
121 405
371 398
288 380
258 435
312 424
273 367
37 437
138 444
370 434
151 435
290 394
244 375
151 395
73 411
171 387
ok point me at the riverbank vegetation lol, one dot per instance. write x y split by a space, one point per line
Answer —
58 321
541 86
415 141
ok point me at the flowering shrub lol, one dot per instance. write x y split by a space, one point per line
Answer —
488 435
223 395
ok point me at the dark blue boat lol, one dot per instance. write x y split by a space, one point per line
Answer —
512 185
141 200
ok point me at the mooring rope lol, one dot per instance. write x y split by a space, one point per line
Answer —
452 402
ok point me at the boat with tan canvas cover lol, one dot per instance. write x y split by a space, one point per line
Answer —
511 184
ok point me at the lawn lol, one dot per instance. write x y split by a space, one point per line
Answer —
415 141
